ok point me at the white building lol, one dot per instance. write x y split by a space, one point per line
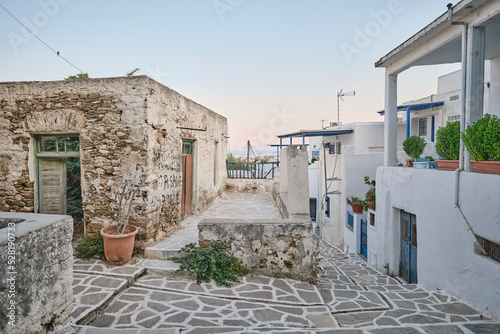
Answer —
453 213
352 152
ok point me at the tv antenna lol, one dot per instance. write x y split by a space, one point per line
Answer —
339 96
131 73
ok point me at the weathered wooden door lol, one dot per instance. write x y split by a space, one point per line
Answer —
187 177
408 264
364 238
52 186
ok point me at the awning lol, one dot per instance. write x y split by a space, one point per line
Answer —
415 107
316 133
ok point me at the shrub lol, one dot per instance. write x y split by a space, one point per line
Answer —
414 146
448 141
353 200
211 263
91 247
482 138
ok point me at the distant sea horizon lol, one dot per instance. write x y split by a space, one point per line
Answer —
243 153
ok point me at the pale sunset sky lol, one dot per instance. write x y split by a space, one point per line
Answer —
269 66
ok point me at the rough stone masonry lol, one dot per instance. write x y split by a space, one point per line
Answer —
120 122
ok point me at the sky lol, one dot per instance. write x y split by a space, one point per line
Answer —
269 66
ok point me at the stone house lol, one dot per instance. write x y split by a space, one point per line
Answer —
108 127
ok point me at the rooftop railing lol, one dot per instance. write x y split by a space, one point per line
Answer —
250 170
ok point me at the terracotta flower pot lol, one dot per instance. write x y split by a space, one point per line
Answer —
118 248
447 164
409 162
371 204
357 208
488 167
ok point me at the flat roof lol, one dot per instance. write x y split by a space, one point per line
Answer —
415 107
316 133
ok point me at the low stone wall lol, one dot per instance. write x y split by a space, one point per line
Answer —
250 185
36 271
278 248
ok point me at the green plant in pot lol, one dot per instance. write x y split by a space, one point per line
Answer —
448 145
119 239
356 203
414 147
370 194
482 140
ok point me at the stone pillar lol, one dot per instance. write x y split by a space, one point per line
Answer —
391 120
296 161
475 81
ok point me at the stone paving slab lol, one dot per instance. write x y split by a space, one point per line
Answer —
462 328
91 292
138 307
251 288
97 267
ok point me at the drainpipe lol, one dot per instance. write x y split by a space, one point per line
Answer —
463 97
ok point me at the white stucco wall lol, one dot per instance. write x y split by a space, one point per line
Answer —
446 256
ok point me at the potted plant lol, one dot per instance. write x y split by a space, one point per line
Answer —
370 194
482 140
356 203
119 238
448 146
413 147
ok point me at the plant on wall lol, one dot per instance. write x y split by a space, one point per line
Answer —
211 263
448 141
370 194
414 146
482 138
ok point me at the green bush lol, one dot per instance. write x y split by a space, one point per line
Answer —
211 263
448 141
414 146
91 247
482 138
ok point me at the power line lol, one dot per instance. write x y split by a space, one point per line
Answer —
56 52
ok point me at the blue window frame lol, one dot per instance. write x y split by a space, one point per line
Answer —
350 219
327 206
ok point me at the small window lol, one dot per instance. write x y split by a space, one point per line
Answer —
372 219
59 144
422 127
187 148
405 230
350 220
331 148
315 154
327 206
339 147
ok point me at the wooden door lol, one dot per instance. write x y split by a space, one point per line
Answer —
52 186
408 263
364 238
187 177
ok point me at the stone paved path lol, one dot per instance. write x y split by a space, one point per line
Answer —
351 298
228 205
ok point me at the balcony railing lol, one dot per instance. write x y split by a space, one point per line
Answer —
250 170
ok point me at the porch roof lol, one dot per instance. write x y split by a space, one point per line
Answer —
415 107
316 133
440 42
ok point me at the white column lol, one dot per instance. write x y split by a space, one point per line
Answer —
391 119
475 81
298 179
494 91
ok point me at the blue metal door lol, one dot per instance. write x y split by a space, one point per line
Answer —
364 238
408 264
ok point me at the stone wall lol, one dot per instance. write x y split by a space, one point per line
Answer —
120 122
41 290
278 248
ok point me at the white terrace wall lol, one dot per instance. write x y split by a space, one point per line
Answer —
120 122
446 256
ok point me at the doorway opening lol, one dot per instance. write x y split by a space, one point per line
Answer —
58 177
187 176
